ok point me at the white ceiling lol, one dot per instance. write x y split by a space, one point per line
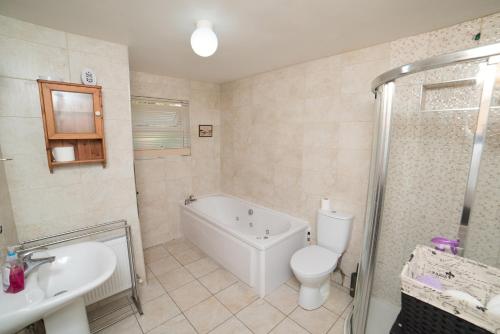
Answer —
254 36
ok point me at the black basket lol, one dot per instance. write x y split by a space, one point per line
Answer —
418 317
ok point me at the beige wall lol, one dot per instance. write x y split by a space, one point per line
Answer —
9 234
45 203
163 183
294 135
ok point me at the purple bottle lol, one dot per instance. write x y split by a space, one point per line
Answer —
441 243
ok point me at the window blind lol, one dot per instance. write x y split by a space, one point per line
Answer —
159 124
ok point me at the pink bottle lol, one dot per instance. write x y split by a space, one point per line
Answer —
12 273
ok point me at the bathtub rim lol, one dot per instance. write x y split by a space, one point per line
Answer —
296 224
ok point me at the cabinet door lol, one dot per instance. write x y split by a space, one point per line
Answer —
72 111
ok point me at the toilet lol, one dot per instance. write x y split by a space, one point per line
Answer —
313 265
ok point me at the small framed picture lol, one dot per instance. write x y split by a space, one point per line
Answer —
205 130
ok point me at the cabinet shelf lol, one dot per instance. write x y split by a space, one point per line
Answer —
77 162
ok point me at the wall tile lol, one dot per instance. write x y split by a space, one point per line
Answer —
22 135
164 183
19 98
114 52
29 32
76 196
25 60
110 74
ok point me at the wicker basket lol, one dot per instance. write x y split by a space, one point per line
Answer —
427 310
418 317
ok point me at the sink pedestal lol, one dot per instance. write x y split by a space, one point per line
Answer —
72 318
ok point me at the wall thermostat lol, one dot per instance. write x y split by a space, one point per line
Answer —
89 77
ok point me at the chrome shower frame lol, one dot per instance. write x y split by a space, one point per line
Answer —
383 87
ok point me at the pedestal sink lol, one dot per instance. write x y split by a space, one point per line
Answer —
55 291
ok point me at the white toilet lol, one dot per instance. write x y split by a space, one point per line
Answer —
313 265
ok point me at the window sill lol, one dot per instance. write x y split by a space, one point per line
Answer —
151 154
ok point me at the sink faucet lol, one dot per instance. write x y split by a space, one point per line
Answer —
189 200
31 264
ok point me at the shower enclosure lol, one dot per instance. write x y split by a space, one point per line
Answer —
435 172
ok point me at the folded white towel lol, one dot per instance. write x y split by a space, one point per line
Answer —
460 295
493 302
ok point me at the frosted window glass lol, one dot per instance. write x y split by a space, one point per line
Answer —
73 112
159 124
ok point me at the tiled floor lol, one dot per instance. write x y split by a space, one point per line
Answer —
187 292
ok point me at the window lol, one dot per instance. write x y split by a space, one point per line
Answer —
160 126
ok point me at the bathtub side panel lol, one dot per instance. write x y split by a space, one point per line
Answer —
231 253
277 266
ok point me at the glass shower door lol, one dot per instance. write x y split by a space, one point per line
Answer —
433 118
482 236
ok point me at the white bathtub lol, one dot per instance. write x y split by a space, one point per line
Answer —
251 241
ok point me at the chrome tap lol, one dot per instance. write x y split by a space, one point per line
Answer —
189 200
31 264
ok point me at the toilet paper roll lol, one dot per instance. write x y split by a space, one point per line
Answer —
325 204
62 154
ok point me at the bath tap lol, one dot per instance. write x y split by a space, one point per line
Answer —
189 200
31 264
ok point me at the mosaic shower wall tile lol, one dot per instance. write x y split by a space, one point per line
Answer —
428 168
454 38
490 32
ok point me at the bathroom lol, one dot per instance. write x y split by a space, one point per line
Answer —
230 181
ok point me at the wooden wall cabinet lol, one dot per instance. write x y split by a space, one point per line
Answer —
73 116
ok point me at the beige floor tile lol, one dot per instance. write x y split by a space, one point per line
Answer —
218 280
151 289
155 253
207 315
176 246
338 300
156 312
177 325
284 298
288 326
164 265
175 279
317 321
236 297
338 328
128 325
346 311
260 316
202 267
231 326
189 255
293 283
189 295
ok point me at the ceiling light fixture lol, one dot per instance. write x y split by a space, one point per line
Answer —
204 40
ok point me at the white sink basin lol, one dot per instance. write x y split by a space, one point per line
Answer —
57 288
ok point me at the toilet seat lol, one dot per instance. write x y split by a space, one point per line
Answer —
313 261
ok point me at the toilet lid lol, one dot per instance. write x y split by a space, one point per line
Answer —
313 260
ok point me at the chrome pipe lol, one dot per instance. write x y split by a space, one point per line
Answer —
56 242
348 322
482 52
121 221
133 276
375 202
477 149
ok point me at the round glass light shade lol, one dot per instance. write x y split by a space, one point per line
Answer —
204 40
